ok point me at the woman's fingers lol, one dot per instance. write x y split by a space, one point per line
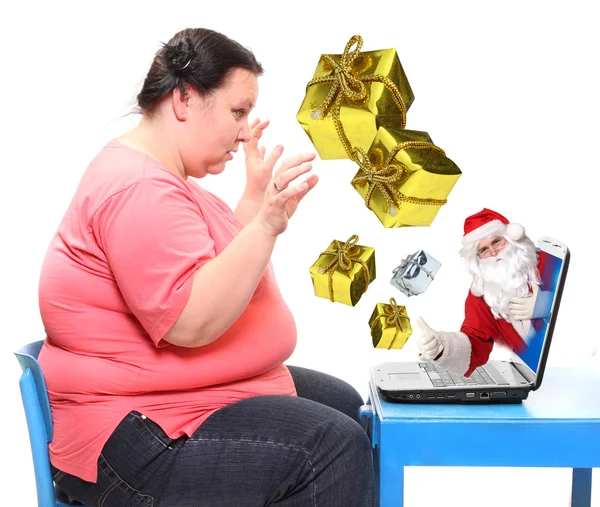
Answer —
294 161
257 127
285 178
311 181
256 132
254 123
271 160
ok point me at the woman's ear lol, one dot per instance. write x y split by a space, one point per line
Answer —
181 103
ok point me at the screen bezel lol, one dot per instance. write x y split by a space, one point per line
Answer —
559 250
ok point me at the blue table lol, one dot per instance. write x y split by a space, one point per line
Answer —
557 426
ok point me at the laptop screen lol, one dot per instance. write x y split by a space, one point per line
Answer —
550 267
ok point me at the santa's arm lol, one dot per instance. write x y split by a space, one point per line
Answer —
463 351
455 351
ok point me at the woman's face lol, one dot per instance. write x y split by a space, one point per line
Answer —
217 123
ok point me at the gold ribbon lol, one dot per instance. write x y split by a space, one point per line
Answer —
344 257
390 175
394 314
346 83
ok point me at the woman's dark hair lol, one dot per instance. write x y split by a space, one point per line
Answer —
199 57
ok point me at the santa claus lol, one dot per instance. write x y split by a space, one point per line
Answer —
503 299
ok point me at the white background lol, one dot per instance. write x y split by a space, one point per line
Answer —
508 89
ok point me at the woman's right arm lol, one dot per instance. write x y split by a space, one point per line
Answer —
223 287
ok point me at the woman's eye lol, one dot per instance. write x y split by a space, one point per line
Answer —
239 113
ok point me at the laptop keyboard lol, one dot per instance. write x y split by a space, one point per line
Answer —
481 376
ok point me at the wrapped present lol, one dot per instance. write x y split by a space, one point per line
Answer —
390 326
351 96
415 273
343 272
404 178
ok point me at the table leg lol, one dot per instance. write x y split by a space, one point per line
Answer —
391 482
581 493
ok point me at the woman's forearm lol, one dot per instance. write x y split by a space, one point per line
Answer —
247 209
222 288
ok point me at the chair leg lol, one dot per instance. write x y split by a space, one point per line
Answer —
581 493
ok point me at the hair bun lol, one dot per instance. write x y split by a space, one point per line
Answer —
179 55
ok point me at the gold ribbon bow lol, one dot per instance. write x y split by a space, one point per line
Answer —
346 83
344 257
390 175
394 314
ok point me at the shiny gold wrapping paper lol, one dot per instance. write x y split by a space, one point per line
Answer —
347 285
416 190
360 118
390 326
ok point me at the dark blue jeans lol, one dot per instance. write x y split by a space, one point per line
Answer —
308 451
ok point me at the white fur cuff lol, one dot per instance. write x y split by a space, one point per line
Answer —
457 352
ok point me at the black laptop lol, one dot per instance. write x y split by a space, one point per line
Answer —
497 381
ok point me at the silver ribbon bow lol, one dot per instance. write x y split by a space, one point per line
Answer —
415 263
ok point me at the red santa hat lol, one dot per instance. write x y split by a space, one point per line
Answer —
489 223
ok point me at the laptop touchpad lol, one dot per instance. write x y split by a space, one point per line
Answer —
404 376
404 372
404 368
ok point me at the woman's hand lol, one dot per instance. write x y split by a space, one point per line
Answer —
259 170
280 198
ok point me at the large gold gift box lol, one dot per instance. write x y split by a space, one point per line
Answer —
404 178
350 96
343 272
390 326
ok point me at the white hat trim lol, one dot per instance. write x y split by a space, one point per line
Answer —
488 229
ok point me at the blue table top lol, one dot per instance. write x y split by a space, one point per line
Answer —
565 394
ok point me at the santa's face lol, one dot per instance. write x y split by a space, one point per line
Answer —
505 270
490 247
501 268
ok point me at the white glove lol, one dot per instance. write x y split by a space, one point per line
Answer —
522 308
430 342
534 306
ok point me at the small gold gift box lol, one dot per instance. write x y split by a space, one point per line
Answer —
343 272
350 96
404 178
390 326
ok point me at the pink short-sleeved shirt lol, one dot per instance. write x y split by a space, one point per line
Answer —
115 279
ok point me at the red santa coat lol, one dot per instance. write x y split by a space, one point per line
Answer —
483 329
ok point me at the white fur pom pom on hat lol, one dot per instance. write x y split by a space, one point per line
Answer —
489 223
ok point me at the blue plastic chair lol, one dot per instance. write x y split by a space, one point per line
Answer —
39 424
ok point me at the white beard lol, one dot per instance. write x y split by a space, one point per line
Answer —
504 277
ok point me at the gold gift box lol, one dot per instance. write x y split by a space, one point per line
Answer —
372 89
410 188
390 326
343 272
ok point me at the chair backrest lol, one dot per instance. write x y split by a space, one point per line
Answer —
39 421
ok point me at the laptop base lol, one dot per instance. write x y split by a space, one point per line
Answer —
474 396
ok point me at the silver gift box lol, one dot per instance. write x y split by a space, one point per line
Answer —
415 273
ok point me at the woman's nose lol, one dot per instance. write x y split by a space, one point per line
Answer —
244 133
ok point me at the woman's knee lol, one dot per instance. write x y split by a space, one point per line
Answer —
342 439
327 390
